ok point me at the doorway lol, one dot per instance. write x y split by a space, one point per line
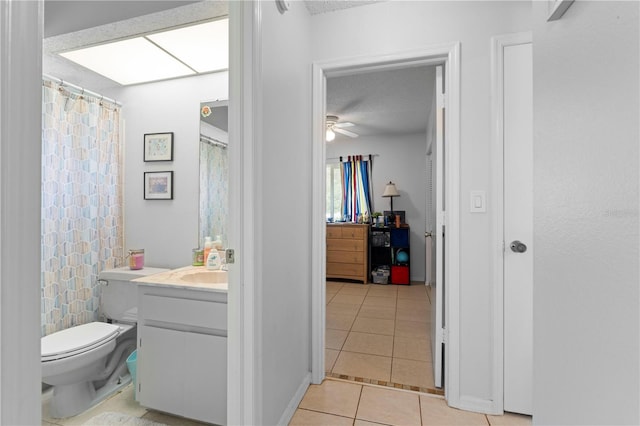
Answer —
447 54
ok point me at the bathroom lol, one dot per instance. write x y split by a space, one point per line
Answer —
168 106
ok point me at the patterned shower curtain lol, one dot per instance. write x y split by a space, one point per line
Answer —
356 198
82 206
214 188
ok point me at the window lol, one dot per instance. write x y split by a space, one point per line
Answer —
334 192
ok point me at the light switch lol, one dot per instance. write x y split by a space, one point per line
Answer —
478 202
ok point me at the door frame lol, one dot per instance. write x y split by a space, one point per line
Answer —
498 44
449 54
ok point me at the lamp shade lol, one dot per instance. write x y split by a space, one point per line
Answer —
390 190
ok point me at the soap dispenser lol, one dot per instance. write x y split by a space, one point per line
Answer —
217 243
213 260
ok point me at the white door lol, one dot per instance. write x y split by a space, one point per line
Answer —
518 228
437 292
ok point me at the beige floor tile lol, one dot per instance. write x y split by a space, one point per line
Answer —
121 402
510 419
375 344
339 321
363 365
411 329
389 406
334 339
413 305
330 356
329 297
355 289
381 312
436 412
334 285
46 423
383 292
404 291
365 423
342 308
386 288
169 420
418 315
333 397
348 299
389 302
412 373
415 348
373 325
313 418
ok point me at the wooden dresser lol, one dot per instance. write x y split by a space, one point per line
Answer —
347 251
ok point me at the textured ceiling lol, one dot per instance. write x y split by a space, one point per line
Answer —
316 7
383 102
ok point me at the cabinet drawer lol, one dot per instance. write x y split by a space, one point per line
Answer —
334 231
345 257
198 313
335 269
345 245
347 232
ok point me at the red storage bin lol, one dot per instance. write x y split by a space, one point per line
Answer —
399 275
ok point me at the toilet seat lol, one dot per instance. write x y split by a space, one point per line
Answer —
76 340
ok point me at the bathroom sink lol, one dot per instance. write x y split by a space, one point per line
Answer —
205 277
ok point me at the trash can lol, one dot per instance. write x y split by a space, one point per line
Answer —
132 365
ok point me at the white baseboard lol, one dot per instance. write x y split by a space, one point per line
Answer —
295 401
478 405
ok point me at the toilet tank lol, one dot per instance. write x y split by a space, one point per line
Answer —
118 295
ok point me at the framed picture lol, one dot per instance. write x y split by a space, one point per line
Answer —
158 185
158 146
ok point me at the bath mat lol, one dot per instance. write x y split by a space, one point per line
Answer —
112 419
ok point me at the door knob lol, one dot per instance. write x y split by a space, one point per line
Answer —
518 247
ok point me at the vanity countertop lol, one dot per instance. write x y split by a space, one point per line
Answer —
190 278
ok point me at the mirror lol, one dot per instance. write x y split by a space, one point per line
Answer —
214 171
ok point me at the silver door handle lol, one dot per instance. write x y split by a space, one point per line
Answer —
427 234
518 247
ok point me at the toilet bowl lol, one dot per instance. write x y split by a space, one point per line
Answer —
87 363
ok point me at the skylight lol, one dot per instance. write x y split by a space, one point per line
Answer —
175 53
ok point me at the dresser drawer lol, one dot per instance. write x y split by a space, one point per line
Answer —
345 245
346 232
345 256
343 269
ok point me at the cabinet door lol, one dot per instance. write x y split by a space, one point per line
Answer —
205 378
160 369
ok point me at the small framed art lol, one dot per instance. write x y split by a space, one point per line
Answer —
158 185
158 147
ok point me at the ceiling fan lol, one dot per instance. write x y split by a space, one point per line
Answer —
334 126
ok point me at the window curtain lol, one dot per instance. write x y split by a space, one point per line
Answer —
356 190
82 205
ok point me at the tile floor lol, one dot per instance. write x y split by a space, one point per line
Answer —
121 402
380 334
337 402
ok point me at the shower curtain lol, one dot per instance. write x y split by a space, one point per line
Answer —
82 205
356 198
214 188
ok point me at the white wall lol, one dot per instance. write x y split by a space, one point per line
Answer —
166 229
20 160
284 177
402 160
403 25
586 196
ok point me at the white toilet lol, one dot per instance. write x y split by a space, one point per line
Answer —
87 363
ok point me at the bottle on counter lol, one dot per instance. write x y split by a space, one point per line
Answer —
208 245
217 243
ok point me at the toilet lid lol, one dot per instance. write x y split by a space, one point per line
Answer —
77 339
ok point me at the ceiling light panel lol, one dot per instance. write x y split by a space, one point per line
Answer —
129 61
204 47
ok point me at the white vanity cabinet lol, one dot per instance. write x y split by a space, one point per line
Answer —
182 352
